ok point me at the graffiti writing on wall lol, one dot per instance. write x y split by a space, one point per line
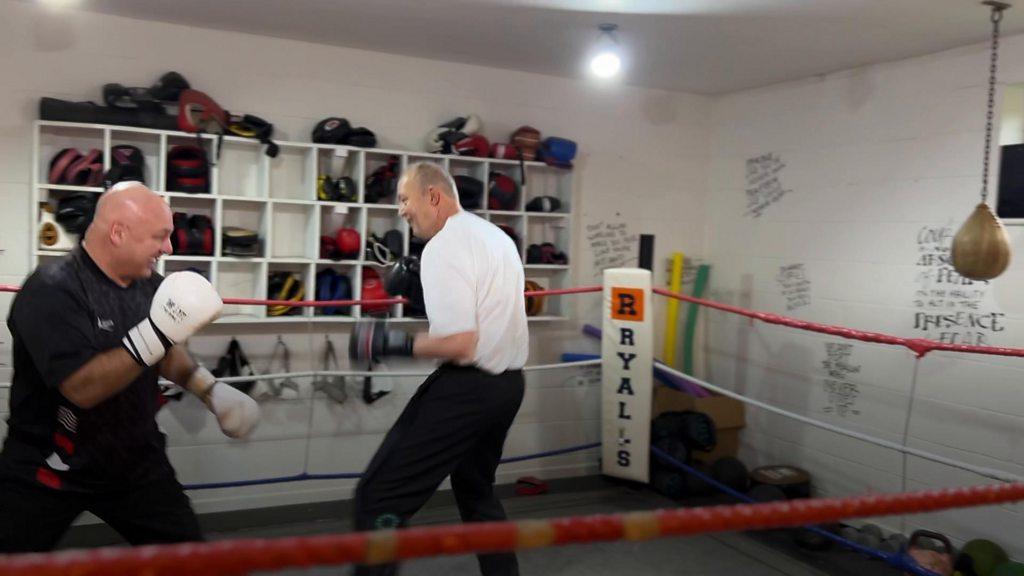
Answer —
763 185
948 307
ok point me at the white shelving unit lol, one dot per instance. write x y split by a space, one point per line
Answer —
277 197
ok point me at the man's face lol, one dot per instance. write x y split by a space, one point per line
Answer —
147 238
418 207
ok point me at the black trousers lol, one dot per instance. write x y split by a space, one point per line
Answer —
33 517
454 425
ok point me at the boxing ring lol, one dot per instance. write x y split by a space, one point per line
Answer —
628 370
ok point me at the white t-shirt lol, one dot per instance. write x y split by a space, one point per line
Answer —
473 279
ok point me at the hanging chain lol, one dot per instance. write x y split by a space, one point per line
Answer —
997 15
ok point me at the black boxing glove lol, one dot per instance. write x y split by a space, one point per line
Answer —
402 276
371 341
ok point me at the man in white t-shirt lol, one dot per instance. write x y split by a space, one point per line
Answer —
456 423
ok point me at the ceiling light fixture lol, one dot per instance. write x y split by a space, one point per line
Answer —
606 62
59 4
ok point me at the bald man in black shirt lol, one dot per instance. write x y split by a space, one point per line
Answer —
92 333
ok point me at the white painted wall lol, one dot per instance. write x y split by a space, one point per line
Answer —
643 161
875 160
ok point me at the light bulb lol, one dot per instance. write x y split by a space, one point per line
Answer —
607 60
605 64
60 4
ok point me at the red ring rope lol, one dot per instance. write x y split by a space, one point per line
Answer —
243 556
313 303
920 346
330 303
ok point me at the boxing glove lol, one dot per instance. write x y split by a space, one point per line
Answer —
237 413
400 277
183 304
371 341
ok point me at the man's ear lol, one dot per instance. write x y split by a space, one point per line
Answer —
118 233
433 195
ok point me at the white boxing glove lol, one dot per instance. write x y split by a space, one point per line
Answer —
183 304
236 412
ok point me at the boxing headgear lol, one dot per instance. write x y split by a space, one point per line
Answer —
526 139
198 112
503 192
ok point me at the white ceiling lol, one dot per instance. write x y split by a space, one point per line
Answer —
696 46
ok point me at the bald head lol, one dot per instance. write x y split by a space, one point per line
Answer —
126 202
423 175
427 197
129 232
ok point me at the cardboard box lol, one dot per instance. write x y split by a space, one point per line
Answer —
727 414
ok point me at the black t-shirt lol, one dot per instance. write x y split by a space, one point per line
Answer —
65 314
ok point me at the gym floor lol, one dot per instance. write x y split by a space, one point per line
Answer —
750 554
